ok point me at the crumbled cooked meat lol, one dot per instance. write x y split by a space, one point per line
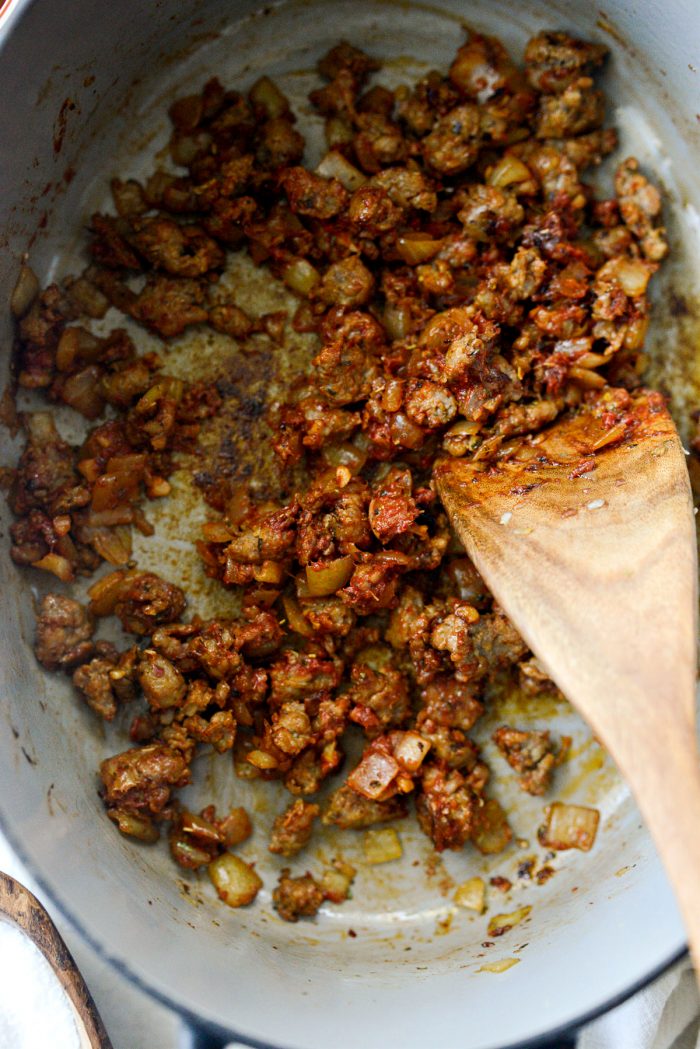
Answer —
163 685
554 61
292 829
454 142
63 633
575 111
312 195
446 807
458 285
533 678
295 898
379 692
347 283
449 710
147 601
533 754
346 57
46 477
142 779
93 681
640 204
347 809
183 251
167 305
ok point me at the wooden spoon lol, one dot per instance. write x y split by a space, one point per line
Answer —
585 535
23 908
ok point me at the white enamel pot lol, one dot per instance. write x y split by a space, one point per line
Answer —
84 85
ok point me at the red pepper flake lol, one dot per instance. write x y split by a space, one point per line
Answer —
500 883
584 467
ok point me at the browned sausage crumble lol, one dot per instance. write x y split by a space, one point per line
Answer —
466 286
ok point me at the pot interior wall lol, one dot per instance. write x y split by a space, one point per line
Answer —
86 90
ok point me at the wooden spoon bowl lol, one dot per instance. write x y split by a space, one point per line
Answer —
585 535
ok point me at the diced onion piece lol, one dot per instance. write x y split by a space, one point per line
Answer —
61 524
75 344
406 433
585 377
461 438
120 484
270 572
615 433
492 832
263 595
141 827
335 165
128 198
508 170
471 895
184 148
81 392
236 827
112 544
501 966
392 395
570 827
396 320
260 759
187 854
156 186
345 455
501 923
119 515
410 750
235 881
295 617
382 845
327 577
57 565
266 96
301 277
592 360
24 292
241 765
199 827
338 132
374 774
336 881
631 274
157 487
89 468
105 593
217 532
88 298
41 427
415 248
634 339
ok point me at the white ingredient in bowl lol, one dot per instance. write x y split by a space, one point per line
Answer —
34 1010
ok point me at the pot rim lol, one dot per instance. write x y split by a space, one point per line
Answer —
10 12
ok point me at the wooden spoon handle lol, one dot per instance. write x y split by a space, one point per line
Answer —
668 794
23 908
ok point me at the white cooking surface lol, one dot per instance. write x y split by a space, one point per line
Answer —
135 1021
